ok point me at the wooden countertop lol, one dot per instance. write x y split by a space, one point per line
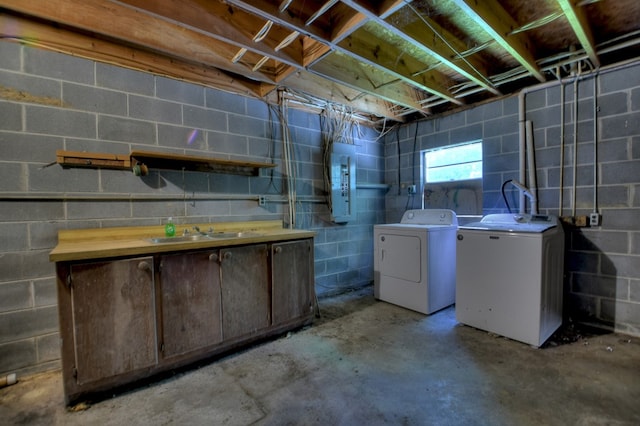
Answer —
101 243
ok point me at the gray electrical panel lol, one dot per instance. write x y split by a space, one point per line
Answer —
343 182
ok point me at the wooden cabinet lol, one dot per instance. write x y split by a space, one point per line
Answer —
292 280
126 319
245 290
189 302
110 320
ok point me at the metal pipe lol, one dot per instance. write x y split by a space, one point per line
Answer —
82 196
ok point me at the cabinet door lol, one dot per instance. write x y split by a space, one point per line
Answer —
292 282
190 302
245 290
113 317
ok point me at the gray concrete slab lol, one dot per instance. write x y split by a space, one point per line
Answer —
371 363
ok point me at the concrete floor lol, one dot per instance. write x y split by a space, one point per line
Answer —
370 363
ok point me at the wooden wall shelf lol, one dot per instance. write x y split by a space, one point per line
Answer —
140 161
93 160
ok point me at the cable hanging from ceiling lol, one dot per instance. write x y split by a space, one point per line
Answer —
337 124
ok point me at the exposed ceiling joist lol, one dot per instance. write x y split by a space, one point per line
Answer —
389 59
132 25
355 49
435 41
578 21
63 41
492 17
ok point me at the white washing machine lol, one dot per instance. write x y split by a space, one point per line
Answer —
415 260
509 276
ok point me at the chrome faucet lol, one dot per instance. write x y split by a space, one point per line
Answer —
197 229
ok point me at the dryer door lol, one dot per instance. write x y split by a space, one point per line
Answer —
399 256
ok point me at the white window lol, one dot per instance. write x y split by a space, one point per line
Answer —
453 163
452 177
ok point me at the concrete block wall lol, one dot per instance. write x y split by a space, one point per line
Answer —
602 263
51 101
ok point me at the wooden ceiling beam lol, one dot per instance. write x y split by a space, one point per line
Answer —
382 54
60 40
352 18
132 26
65 41
492 17
384 8
233 27
220 22
434 41
326 90
578 21
349 71
270 11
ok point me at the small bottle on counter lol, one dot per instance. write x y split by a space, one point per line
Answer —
170 228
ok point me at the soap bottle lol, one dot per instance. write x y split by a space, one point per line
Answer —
169 228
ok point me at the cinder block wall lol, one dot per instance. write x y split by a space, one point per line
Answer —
602 263
51 101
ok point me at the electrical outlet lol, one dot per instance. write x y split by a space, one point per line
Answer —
594 219
262 200
411 189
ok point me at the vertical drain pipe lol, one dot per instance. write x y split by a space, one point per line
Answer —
595 142
561 184
522 136
575 142
532 184
521 145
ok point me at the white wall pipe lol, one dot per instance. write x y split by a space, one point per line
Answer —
522 112
595 142
561 178
575 144
8 380
522 104
531 165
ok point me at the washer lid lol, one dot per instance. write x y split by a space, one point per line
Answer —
429 217
514 223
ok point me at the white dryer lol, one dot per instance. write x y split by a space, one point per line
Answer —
509 276
415 260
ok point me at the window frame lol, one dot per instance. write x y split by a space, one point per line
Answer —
425 161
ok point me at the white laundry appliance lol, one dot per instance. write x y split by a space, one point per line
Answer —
415 260
510 276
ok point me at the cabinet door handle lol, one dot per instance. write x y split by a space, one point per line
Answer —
213 257
144 266
278 249
227 255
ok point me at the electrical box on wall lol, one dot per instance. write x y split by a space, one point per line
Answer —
343 182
